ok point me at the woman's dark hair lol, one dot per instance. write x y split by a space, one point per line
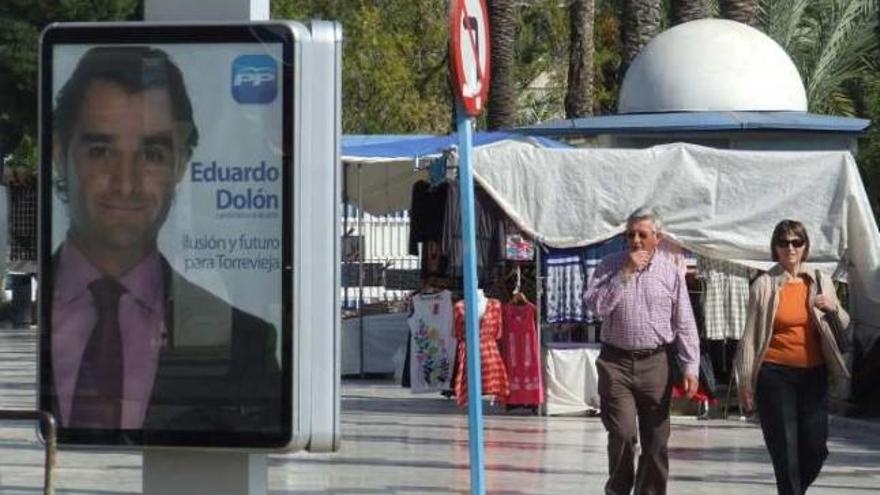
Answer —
787 228
134 68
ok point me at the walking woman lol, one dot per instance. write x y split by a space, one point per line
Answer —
786 355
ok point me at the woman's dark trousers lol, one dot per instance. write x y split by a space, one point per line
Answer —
793 407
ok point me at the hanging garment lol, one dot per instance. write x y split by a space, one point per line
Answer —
431 343
521 355
489 230
494 375
517 246
564 285
433 262
426 213
725 297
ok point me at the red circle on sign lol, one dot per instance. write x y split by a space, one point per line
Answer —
473 92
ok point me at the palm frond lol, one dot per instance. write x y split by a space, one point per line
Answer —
849 38
781 18
830 41
846 30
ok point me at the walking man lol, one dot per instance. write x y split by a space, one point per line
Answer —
647 321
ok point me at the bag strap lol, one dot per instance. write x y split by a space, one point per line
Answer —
818 282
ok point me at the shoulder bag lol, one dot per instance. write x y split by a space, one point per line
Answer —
842 336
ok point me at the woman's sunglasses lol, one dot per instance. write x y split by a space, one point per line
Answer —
784 243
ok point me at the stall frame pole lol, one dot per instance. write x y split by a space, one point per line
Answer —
362 245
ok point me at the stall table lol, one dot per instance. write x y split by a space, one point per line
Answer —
570 377
385 335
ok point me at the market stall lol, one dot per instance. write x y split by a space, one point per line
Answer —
380 173
719 204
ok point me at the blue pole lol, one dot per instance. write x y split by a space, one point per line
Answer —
472 320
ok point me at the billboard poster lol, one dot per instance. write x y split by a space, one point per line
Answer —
166 242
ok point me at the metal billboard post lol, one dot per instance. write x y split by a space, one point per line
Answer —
315 266
195 472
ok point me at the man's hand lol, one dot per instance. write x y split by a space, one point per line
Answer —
637 261
746 400
690 385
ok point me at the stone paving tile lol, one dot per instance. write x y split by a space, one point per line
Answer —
398 443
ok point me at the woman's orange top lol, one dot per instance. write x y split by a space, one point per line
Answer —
795 341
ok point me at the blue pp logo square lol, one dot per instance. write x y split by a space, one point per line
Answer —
254 79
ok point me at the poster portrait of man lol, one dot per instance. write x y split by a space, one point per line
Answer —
138 343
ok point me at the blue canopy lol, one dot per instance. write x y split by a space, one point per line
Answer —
405 148
380 172
349 140
668 122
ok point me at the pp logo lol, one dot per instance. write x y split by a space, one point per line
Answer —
254 79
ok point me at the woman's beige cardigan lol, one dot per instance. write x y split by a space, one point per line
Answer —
763 301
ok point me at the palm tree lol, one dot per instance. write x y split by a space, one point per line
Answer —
744 11
502 88
641 22
832 42
579 92
688 10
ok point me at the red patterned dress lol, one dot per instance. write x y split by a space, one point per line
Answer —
491 364
521 355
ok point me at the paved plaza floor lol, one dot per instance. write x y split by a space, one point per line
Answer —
398 443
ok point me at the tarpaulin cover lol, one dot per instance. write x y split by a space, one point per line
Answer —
718 203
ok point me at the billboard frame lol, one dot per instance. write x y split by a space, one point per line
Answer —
290 433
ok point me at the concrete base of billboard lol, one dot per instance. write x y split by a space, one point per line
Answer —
199 472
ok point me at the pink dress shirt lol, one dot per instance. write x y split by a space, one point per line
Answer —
649 309
142 316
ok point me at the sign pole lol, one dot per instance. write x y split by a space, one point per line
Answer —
472 318
469 59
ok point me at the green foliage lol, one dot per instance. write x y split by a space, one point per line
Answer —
607 60
542 54
831 43
394 65
541 60
20 167
396 71
21 22
25 154
869 145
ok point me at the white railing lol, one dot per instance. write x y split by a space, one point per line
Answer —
384 246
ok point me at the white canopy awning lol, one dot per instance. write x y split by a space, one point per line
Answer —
718 203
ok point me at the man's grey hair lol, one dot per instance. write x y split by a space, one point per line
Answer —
645 213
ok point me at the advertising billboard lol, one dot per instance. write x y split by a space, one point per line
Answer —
167 234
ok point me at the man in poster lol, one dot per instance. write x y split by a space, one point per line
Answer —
134 345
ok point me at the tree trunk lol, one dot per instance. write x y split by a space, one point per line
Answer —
502 90
744 11
689 10
641 22
579 92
